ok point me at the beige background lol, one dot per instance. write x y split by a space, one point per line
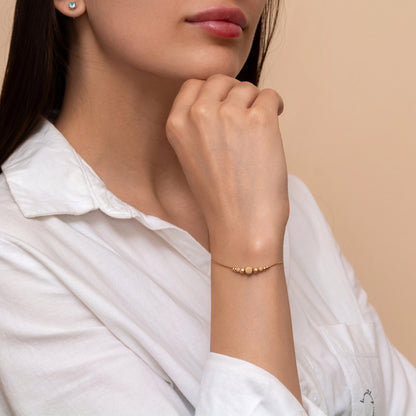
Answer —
346 72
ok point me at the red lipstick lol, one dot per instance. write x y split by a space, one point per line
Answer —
227 22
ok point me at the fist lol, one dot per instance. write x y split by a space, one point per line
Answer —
227 138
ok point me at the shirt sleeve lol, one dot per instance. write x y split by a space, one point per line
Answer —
57 358
398 374
235 387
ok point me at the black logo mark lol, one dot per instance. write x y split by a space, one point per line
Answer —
368 403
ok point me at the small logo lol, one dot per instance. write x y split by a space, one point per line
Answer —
369 407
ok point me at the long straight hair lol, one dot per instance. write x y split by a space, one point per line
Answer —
35 78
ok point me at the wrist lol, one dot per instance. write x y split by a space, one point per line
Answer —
263 226
247 234
243 250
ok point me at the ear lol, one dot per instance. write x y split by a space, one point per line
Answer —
70 8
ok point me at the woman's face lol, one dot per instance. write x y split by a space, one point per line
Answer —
154 36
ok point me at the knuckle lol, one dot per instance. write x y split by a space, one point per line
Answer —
190 82
258 115
174 125
275 96
247 84
200 109
270 91
217 77
228 110
246 88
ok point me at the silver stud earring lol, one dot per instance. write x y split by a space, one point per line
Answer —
72 5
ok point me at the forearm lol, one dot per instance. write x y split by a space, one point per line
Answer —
250 315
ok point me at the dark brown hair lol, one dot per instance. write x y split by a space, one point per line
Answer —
34 82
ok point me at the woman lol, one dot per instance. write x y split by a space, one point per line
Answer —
156 258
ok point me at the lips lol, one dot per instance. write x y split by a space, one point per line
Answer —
225 14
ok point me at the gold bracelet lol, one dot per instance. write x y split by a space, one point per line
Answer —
248 270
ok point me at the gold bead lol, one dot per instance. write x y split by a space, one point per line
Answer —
249 270
237 269
242 271
255 270
261 269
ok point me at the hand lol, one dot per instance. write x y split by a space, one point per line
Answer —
227 138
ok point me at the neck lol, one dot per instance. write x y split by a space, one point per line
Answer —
115 119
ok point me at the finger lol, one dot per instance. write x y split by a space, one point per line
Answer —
242 94
217 87
270 100
186 96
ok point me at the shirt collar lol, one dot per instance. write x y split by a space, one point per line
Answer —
46 176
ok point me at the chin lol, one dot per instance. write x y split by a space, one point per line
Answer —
193 68
208 70
209 60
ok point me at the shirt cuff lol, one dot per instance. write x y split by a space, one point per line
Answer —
235 387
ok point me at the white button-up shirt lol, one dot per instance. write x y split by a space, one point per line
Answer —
105 310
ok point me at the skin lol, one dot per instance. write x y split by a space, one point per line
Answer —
121 87
153 106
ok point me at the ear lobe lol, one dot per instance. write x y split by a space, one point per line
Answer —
70 8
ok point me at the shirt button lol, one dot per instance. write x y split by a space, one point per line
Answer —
315 398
